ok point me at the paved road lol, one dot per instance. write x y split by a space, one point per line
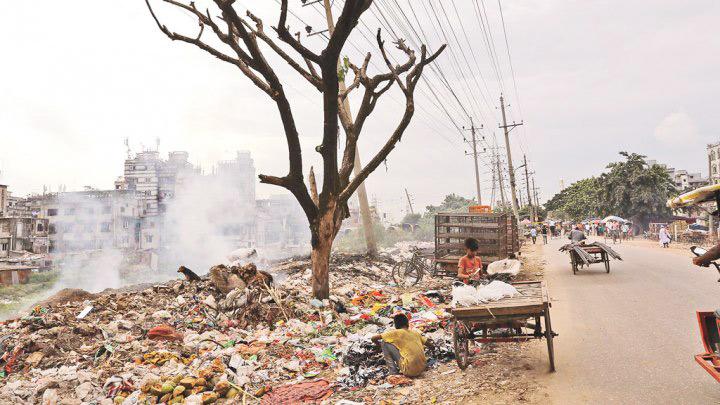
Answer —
629 337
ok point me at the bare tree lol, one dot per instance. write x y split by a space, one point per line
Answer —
240 40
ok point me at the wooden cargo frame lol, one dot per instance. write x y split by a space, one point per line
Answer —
496 232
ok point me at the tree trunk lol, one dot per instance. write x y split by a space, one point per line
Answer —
327 228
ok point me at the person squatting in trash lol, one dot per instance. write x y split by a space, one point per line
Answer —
470 266
403 349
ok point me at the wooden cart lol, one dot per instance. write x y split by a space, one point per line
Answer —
598 256
514 319
586 254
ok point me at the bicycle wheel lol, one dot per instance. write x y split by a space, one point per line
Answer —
406 274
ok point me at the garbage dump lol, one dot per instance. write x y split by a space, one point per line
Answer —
234 335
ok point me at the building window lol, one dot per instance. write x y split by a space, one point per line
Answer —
148 238
52 212
126 223
70 211
40 227
4 247
122 210
51 229
105 227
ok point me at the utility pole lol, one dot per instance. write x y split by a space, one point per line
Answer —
475 158
492 194
412 211
500 179
537 202
368 229
527 185
507 128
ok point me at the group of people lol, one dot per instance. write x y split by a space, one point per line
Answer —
543 231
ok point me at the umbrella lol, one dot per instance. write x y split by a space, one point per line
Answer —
613 218
694 197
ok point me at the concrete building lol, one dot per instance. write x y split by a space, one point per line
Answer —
684 180
93 219
23 235
281 223
4 200
713 154
235 196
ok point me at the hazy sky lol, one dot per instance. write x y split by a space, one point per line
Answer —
594 78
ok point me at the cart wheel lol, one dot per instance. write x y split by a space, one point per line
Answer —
573 263
460 343
549 335
606 259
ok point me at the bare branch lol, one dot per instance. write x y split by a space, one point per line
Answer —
396 136
285 36
204 20
395 72
311 76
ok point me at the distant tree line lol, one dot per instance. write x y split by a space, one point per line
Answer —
631 189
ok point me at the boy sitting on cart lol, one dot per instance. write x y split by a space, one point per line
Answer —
470 266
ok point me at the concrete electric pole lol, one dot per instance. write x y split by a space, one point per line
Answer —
501 181
537 201
412 211
527 185
475 158
361 191
507 128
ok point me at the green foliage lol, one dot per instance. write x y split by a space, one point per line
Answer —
579 201
451 203
343 69
354 241
411 219
631 189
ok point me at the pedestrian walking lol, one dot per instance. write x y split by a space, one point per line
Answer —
544 232
664 238
533 234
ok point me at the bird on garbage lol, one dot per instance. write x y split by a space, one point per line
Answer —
189 274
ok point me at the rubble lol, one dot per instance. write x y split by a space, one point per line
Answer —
198 342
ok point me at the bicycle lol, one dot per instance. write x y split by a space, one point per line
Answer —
407 273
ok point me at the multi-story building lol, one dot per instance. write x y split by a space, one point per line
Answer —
4 200
23 235
92 220
684 180
281 222
713 154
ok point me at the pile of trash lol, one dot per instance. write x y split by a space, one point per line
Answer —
235 334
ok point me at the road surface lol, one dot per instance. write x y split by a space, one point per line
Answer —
629 337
